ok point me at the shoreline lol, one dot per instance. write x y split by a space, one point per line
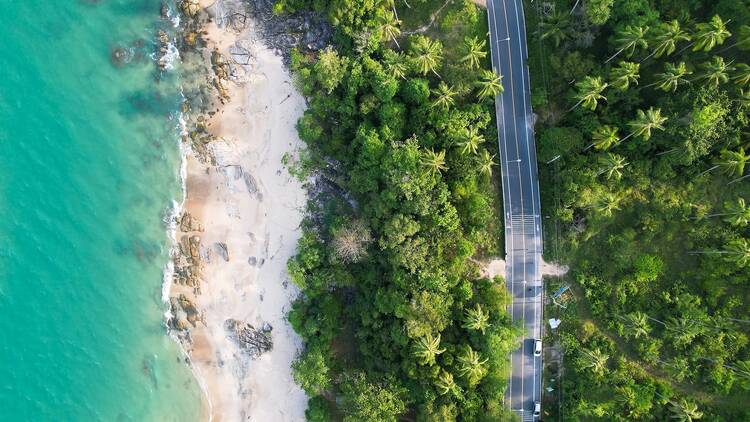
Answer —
235 229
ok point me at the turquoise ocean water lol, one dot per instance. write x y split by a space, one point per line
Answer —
88 171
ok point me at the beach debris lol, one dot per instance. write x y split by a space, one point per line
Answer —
251 341
252 261
267 328
221 249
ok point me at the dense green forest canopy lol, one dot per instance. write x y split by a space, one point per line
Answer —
397 320
644 108
642 113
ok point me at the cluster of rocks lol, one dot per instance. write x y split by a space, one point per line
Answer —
199 139
222 71
188 223
190 7
304 30
250 340
184 313
163 50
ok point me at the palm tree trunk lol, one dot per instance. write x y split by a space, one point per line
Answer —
625 138
738 179
615 55
709 170
574 7
574 106
685 47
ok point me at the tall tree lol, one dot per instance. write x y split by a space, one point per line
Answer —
673 76
476 319
486 162
434 161
612 165
637 323
445 383
489 85
590 92
742 74
684 411
471 365
426 54
427 348
471 140
716 71
388 26
594 360
710 34
738 252
556 27
737 213
645 122
475 52
606 203
667 35
604 137
443 96
624 74
733 162
629 39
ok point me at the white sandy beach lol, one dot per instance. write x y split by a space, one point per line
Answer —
249 202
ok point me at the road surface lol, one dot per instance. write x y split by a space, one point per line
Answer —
523 236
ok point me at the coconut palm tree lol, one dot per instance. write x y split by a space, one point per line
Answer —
443 96
486 162
472 140
476 319
434 161
590 92
388 26
396 65
673 76
668 34
716 71
471 366
426 54
645 122
744 97
733 162
612 165
684 411
445 383
556 27
427 348
742 74
604 138
489 84
738 251
607 203
594 360
637 323
738 213
624 75
475 52
629 39
710 34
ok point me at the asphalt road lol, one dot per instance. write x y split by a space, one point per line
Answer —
518 165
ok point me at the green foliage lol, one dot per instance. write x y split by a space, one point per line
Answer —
363 400
646 206
311 371
597 11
